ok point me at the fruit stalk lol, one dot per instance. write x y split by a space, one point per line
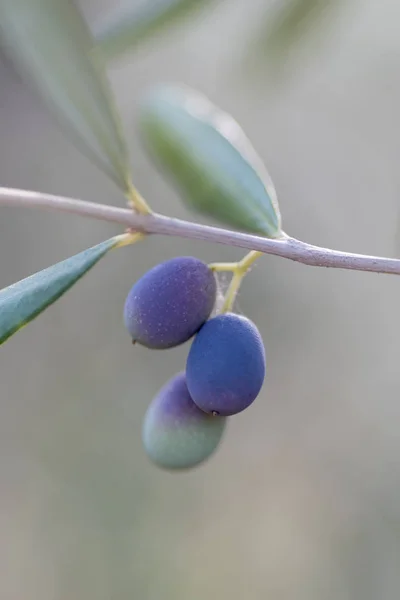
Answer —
239 270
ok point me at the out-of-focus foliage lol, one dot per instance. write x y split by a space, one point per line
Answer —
285 28
50 41
131 23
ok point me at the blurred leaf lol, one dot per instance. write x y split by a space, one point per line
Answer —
290 25
51 43
21 302
131 24
206 154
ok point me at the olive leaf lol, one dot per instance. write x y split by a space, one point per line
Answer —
129 25
21 302
50 41
283 31
206 154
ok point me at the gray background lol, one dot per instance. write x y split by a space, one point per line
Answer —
302 499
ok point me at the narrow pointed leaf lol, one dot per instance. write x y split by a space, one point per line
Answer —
21 302
50 42
208 157
129 25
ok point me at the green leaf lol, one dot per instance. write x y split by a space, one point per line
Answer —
50 42
207 156
294 24
21 302
130 25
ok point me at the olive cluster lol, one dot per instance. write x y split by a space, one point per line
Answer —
225 368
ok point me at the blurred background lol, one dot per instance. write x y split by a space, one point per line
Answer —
302 499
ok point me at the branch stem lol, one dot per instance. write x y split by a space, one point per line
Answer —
286 247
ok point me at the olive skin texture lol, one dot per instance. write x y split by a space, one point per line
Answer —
176 433
170 303
225 368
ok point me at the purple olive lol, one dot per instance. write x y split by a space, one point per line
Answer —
170 303
225 368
